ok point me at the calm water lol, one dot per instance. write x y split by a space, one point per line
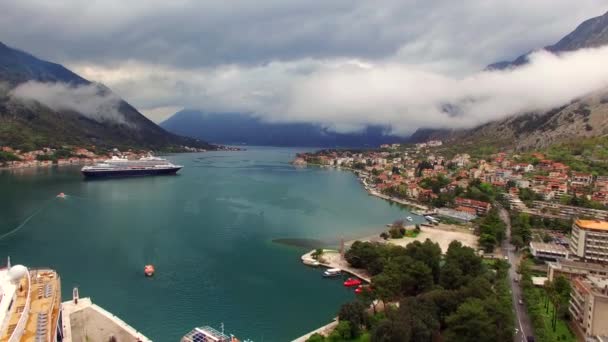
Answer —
208 231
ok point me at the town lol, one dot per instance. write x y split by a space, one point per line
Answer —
13 158
555 212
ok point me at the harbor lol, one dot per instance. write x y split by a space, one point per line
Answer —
220 213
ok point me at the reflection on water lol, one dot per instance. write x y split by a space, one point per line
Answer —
305 243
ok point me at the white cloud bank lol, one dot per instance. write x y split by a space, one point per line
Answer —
346 95
92 101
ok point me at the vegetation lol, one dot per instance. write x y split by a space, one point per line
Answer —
585 155
547 307
7 157
318 254
457 298
526 195
491 230
521 230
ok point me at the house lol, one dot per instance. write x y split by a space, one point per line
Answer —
481 208
581 178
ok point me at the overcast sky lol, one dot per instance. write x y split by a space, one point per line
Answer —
342 63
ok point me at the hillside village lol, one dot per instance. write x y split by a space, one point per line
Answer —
531 183
555 213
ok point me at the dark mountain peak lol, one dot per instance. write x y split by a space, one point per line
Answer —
242 128
17 67
113 124
591 33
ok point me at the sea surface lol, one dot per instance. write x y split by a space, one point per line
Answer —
222 234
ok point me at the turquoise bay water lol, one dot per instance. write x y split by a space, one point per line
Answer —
209 233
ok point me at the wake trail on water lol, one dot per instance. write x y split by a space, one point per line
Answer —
34 214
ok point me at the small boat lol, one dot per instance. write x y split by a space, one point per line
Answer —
61 195
361 288
351 282
149 270
332 272
409 218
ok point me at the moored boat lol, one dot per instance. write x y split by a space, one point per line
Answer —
332 272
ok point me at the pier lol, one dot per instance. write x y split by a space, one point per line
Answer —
333 259
85 321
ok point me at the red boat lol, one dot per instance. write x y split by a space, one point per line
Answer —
360 289
149 270
350 282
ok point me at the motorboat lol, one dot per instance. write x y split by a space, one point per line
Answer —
352 282
332 272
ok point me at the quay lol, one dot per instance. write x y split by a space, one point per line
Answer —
85 321
333 259
400 201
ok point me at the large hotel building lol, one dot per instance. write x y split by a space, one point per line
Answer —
589 240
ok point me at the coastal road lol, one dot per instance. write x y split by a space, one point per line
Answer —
522 321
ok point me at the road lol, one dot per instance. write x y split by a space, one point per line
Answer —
522 321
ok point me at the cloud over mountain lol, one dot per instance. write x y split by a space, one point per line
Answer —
91 100
343 63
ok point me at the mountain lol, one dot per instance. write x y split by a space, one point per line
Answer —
582 118
591 33
45 104
238 128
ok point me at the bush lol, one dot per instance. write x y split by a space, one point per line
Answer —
396 232
316 337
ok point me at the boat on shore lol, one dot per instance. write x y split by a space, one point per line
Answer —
332 272
123 167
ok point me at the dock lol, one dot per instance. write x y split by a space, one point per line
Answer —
333 259
85 321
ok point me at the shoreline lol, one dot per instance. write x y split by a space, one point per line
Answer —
371 192
445 233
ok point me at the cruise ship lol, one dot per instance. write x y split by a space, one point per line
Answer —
123 167
31 311
30 305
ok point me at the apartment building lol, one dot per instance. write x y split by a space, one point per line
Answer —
589 240
480 207
572 269
589 305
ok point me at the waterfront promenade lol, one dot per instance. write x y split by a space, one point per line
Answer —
400 201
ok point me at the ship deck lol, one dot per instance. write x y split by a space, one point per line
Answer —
45 299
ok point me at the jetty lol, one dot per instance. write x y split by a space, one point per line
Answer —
333 259
85 321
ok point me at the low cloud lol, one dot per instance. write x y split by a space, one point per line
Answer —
347 95
93 101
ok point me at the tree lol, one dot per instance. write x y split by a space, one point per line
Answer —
361 254
388 330
342 332
316 337
353 313
487 242
317 254
428 252
471 322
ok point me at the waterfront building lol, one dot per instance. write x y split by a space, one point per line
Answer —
589 305
589 240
